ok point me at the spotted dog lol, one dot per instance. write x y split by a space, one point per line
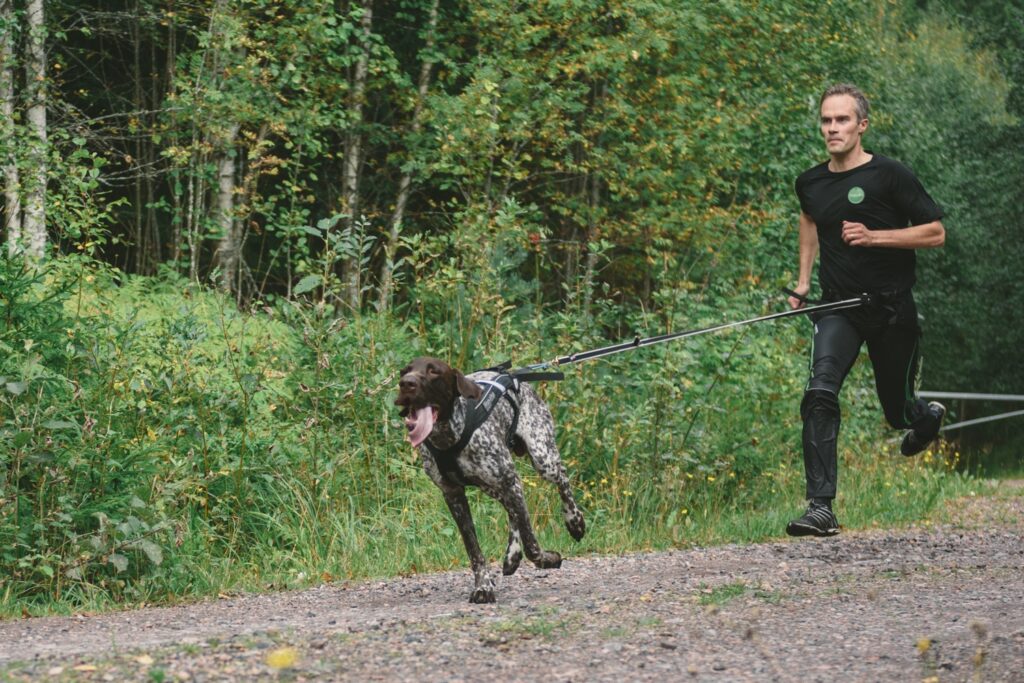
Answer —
440 406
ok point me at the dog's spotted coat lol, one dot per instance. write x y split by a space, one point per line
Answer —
486 461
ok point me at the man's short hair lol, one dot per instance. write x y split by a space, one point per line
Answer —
861 103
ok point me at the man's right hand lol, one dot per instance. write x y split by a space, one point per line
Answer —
802 291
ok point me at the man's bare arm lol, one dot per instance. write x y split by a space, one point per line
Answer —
808 253
924 236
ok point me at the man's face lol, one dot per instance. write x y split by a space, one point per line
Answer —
839 124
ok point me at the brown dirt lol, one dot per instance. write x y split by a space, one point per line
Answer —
942 602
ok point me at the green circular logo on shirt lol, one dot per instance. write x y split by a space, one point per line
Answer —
855 195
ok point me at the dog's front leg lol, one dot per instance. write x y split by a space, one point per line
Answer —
483 590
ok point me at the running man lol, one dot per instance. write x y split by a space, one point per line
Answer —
866 214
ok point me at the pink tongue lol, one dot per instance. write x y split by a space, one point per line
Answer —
420 425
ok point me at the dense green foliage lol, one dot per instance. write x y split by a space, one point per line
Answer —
526 182
158 444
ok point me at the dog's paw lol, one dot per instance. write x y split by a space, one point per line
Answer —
548 559
483 592
576 526
482 595
511 564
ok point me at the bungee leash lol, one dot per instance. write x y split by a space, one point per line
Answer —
638 342
548 371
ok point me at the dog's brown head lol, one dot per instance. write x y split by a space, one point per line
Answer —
427 390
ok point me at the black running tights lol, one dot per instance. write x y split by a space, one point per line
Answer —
893 348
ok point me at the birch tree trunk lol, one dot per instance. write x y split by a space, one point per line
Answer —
229 249
594 207
12 193
220 139
404 186
593 234
353 155
194 194
34 221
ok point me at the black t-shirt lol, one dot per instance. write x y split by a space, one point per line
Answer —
883 194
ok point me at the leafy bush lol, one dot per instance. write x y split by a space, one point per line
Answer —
166 444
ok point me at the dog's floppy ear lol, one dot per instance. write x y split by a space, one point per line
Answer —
467 387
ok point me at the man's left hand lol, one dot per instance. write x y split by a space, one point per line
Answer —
857 234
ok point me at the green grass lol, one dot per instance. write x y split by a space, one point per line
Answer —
720 595
167 447
542 625
1003 459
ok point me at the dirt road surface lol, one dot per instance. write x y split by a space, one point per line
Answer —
936 602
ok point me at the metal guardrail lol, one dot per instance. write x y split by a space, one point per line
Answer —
975 397
969 397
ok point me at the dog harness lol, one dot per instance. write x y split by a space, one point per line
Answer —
477 412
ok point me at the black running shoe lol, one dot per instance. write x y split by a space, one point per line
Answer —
914 443
817 521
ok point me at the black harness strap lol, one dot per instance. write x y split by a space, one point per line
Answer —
526 374
477 412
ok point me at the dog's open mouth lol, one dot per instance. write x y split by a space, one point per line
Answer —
420 423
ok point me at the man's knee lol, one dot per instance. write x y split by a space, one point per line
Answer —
820 402
827 375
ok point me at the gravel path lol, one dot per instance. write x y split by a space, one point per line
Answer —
936 603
